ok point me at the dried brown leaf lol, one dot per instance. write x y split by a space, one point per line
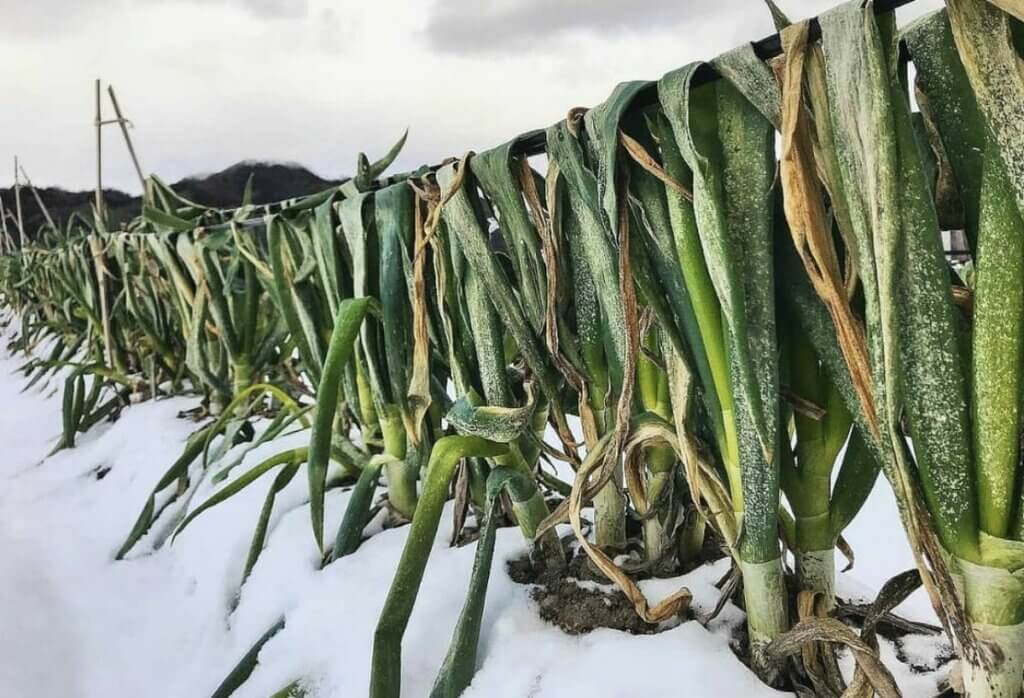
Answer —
808 222
640 155
817 629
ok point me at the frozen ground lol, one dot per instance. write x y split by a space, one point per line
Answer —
160 624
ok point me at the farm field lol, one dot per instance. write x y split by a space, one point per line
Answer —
712 387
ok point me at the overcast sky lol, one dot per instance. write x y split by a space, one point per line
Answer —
210 82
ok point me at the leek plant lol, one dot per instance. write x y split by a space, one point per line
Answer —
378 228
828 472
719 147
960 53
492 400
501 437
385 676
659 509
591 233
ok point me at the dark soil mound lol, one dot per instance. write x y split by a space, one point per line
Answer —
579 599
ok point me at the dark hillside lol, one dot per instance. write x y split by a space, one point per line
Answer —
271 182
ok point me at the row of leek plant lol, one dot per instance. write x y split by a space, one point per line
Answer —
633 227
258 300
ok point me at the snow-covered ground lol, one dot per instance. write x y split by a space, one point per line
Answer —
163 623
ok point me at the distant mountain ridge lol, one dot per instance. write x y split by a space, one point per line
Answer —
271 182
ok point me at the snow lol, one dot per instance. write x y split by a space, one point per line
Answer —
169 619
882 551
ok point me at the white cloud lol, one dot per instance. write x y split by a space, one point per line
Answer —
513 24
265 9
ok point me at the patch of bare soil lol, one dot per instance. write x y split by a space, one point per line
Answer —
575 601
579 599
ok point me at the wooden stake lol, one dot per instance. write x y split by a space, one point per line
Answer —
95 245
99 152
98 250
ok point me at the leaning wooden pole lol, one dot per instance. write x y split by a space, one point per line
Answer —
39 200
17 204
127 139
8 244
9 215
